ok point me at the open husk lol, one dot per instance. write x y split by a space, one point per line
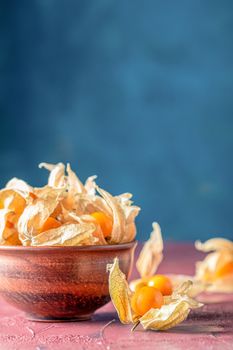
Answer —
174 311
149 260
216 270
151 254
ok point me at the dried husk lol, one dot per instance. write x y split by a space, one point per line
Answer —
119 221
35 215
130 212
215 244
66 235
174 311
74 184
151 253
57 174
90 185
119 292
98 234
19 185
221 254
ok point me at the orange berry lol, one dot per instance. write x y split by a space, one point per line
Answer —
139 285
18 204
146 298
226 269
104 221
162 283
49 224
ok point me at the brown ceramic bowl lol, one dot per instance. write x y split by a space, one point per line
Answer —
60 283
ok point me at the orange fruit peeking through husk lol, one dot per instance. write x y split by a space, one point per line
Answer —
64 212
146 305
104 221
162 283
146 298
216 270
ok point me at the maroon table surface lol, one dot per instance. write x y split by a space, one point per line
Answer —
210 327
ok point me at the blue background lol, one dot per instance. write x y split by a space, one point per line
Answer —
138 92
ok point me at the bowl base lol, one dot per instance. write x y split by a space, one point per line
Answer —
36 318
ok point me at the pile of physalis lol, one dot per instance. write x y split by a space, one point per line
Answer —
65 212
153 301
215 272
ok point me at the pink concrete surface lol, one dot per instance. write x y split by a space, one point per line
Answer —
208 328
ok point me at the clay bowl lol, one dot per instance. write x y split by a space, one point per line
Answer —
60 283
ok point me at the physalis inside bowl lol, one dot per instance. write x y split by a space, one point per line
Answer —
65 212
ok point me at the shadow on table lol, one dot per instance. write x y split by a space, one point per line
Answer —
213 319
105 316
217 311
212 329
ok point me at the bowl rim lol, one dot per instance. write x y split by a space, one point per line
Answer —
19 248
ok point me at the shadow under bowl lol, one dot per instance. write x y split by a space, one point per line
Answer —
60 283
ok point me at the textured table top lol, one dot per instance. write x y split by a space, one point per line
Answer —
208 328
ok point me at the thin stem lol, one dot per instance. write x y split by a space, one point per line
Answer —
135 326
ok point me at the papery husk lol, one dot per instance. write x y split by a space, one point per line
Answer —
57 174
66 235
151 253
19 185
125 199
95 203
130 212
206 270
119 292
119 221
174 311
98 234
74 190
74 184
48 193
215 244
90 185
83 203
35 215
168 316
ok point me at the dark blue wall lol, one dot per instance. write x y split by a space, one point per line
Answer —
138 92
